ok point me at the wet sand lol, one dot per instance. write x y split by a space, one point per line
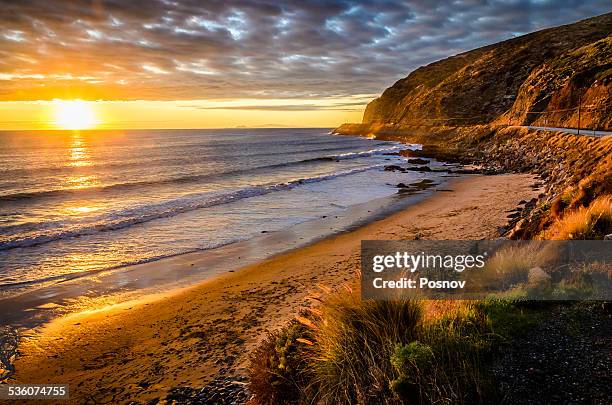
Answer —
141 349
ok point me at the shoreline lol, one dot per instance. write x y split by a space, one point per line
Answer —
34 307
188 338
174 216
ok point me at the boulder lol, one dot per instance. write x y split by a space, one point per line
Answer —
418 161
419 169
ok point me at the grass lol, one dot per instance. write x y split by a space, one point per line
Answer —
539 270
351 336
592 222
511 265
353 351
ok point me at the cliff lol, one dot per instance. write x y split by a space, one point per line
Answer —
539 78
470 108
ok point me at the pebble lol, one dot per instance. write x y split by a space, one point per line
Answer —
223 390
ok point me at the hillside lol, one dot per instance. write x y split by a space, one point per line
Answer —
544 71
470 107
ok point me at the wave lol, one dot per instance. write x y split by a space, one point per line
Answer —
188 203
60 278
153 161
188 145
189 178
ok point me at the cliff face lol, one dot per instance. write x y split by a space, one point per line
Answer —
509 82
553 90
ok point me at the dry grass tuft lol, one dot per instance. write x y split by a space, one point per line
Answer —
592 222
510 265
354 343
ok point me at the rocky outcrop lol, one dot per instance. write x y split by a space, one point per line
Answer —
547 70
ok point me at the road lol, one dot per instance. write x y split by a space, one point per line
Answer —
585 132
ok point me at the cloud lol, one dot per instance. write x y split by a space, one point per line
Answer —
180 50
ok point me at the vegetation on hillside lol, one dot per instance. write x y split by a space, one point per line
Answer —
552 92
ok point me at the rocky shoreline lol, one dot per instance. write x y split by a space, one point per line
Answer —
468 164
571 169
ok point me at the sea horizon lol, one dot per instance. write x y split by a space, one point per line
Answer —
98 129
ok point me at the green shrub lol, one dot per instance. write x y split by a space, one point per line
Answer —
413 362
276 368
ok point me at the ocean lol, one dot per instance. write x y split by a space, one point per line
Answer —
77 203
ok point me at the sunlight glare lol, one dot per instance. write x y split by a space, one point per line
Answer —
74 114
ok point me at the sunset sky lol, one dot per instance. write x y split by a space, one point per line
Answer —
201 64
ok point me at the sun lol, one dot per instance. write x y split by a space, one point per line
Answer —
74 114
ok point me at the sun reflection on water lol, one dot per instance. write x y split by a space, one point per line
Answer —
82 209
79 152
77 182
79 156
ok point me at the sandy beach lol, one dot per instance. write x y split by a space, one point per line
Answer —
188 337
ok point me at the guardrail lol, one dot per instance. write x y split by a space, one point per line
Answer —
581 109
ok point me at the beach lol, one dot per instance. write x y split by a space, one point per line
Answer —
188 337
